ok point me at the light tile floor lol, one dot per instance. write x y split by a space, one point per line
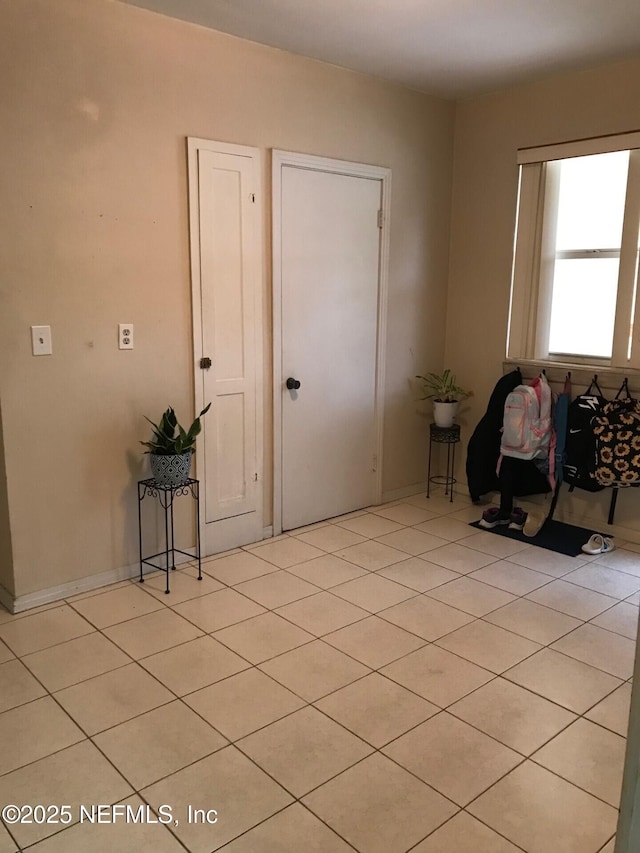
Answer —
388 681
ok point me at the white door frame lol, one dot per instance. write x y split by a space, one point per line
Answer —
194 145
280 159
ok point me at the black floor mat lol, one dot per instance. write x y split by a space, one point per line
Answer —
554 536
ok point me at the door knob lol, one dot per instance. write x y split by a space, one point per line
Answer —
293 384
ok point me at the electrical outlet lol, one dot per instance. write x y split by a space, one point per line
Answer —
41 340
125 335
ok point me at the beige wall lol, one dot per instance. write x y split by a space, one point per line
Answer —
488 132
96 100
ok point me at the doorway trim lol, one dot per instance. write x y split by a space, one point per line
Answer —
281 159
194 146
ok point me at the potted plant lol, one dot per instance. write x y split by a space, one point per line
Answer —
172 447
445 392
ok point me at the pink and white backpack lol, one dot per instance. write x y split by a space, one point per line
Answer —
528 426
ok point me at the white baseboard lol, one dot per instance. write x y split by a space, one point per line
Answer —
20 603
460 488
404 492
562 513
6 599
621 534
267 532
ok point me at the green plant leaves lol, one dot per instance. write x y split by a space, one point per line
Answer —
165 442
443 387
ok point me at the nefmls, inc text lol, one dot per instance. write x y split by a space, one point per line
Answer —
122 813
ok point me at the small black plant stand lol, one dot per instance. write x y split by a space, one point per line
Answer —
449 436
166 496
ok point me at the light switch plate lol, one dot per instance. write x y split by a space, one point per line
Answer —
41 340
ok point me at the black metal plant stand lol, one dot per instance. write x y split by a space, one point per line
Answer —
449 436
166 496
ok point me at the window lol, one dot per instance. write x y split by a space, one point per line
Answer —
575 268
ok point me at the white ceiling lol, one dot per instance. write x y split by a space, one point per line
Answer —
451 48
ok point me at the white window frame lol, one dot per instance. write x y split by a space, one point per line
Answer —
534 255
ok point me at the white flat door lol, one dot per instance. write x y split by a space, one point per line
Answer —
330 248
229 279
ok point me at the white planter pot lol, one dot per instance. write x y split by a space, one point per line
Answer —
444 413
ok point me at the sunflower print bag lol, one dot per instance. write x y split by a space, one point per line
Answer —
617 432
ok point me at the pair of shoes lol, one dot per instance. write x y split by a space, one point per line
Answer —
598 544
517 519
534 521
493 517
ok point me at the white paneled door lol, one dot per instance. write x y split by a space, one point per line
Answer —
227 271
328 273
